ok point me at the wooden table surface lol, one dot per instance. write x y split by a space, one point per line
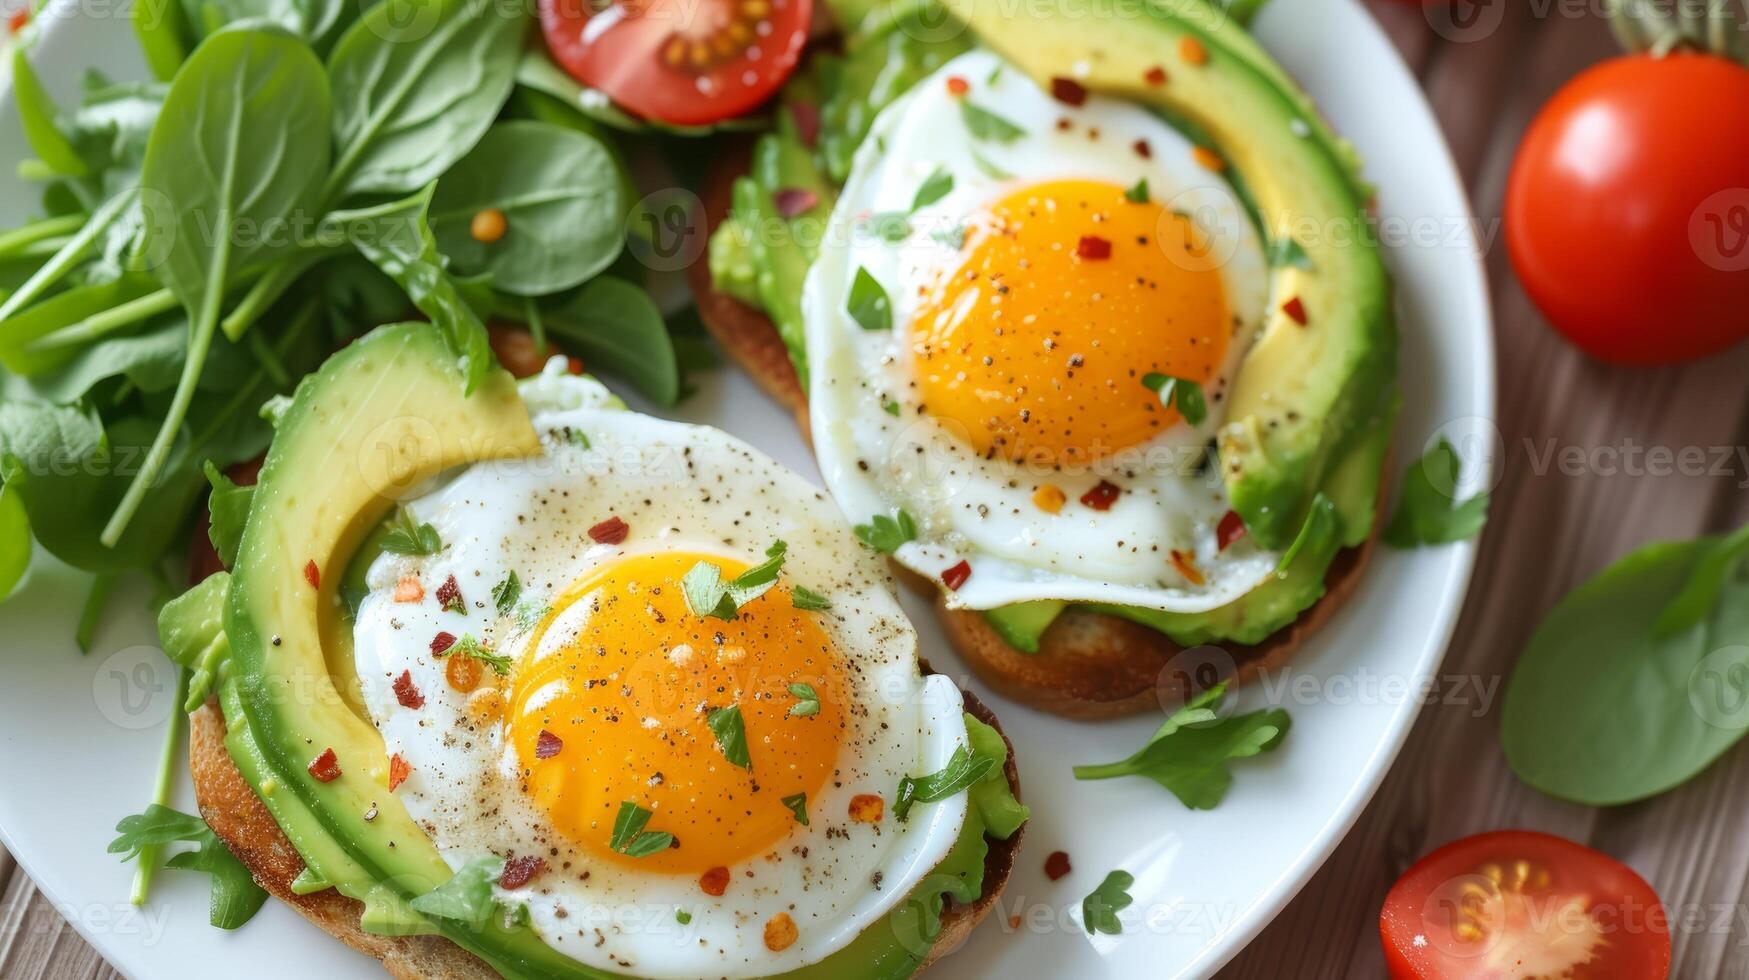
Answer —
1550 528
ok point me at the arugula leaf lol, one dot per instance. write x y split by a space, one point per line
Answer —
1139 193
885 534
1427 511
407 538
798 805
466 896
1178 393
807 700
986 125
1099 910
868 304
506 593
629 836
808 600
1189 753
962 770
235 895
936 186
731 732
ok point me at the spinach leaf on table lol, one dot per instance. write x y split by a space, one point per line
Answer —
229 170
1604 708
416 84
562 201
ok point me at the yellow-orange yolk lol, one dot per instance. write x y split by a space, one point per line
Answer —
629 695
1068 294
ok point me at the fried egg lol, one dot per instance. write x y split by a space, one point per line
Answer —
545 669
1007 279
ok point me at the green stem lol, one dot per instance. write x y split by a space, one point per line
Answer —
148 863
69 256
267 360
300 324
13 243
98 326
537 328
92 613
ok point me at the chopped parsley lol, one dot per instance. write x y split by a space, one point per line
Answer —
708 595
807 700
798 805
934 187
1099 910
407 538
731 732
808 600
868 304
506 593
988 168
235 895
1186 396
683 917
885 534
962 770
629 836
986 125
1286 251
467 646
892 226
1139 193
954 238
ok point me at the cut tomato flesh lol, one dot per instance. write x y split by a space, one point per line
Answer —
687 62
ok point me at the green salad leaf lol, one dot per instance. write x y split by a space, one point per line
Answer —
962 770
885 534
1190 752
1100 908
235 895
228 505
466 896
1427 511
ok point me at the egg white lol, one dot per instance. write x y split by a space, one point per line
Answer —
876 460
679 487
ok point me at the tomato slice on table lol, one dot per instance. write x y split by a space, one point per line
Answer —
687 62
1515 904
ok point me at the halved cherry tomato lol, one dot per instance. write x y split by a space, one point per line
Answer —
1521 904
689 62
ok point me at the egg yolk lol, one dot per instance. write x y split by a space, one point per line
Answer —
1067 295
629 697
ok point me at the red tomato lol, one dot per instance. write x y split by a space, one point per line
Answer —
688 62
1517 904
1627 214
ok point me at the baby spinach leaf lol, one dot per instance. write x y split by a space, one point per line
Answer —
1189 753
151 360
14 527
75 250
1427 511
37 113
1701 592
416 84
615 327
158 27
1604 709
561 197
228 168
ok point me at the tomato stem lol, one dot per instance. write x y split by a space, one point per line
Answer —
1660 27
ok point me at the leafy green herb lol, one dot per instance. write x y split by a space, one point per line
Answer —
561 195
467 646
616 327
1179 393
808 600
1189 753
506 593
988 167
954 238
885 534
229 506
1428 511
630 837
892 226
466 896
683 917
731 732
708 595
1099 910
936 186
1139 193
235 895
407 538
807 700
891 408
868 304
1285 251
962 770
1604 707
1322 524
986 125
798 805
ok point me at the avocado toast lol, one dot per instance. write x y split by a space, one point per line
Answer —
1308 415
289 746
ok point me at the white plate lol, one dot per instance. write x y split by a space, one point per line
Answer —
79 737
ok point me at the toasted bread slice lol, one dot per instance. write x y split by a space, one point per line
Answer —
238 816
1089 665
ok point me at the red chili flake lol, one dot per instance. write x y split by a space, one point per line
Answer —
1295 310
449 596
1231 529
19 18
1155 76
519 871
325 767
1093 247
957 85
611 531
714 882
442 642
1102 496
1057 865
1068 91
399 770
1187 568
792 201
1142 149
574 365
807 117
956 576
312 574
547 745
1064 124
406 693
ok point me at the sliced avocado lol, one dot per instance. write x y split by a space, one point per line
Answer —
1305 390
1022 624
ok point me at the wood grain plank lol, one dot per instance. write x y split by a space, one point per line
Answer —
37 943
